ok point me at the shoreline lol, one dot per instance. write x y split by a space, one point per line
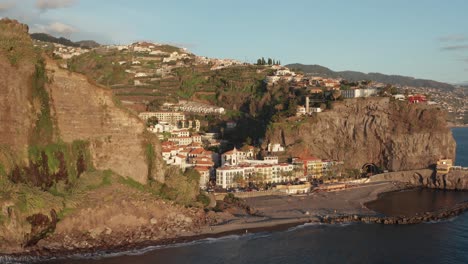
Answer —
243 226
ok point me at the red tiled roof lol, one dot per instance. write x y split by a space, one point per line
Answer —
201 168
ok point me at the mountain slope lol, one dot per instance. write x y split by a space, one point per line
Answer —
74 163
377 77
64 41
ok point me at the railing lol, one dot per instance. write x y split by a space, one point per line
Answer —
220 196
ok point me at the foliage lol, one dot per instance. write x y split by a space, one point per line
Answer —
203 199
43 129
52 163
270 61
150 158
181 187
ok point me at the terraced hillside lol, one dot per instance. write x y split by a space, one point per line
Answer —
139 78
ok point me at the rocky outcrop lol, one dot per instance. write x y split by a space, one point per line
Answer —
89 112
454 180
398 220
40 108
16 107
391 134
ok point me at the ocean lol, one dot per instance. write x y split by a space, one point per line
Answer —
438 242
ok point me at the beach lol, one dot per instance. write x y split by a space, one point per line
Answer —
277 211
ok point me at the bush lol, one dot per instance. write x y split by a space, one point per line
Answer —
203 199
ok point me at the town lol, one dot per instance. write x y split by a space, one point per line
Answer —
193 131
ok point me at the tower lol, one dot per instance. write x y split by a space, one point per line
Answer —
307 107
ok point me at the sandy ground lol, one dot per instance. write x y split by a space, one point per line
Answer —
290 210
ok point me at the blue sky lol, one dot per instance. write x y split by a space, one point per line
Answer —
424 39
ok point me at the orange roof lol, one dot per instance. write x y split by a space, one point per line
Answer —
197 151
230 152
201 168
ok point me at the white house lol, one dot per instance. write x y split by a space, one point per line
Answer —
275 147
235 156
141 74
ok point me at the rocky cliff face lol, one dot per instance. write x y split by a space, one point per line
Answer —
16 107
39 107
454 180
88 112
393 135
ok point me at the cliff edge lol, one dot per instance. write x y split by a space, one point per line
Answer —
391 134
42 104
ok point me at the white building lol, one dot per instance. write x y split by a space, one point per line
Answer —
275 147
164 116
225 176
268 173
236 157
356 93
140 75
204 176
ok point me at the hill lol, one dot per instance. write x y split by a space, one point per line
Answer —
64 41
67 148
376 77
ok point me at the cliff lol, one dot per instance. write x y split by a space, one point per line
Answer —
391 134
41 104
68 150
117 138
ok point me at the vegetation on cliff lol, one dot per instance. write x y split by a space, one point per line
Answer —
51 174
393 135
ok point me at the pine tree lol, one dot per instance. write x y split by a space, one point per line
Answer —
263 61
269 61
259 62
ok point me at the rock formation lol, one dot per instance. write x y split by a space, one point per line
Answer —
454 180
75 109
393 135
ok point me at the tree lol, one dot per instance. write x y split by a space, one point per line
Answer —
336 94
263 61
152 121
292 107
259 62
239 180
270 62
258 179
248 141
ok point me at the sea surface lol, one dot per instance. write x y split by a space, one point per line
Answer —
439 242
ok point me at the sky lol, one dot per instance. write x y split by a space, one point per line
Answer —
420 38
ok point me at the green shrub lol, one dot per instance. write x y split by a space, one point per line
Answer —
203 199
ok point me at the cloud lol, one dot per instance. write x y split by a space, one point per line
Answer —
6 6
454 38
54 28
44 5
456 47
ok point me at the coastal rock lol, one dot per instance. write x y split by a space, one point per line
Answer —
393 135
454 180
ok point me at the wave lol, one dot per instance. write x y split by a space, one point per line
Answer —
132 252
